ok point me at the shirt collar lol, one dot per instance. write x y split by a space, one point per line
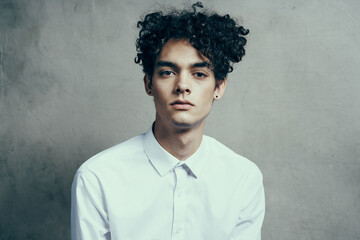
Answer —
164 162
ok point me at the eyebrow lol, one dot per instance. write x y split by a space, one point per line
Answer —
173 65
165 64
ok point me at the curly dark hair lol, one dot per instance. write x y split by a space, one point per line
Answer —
219 38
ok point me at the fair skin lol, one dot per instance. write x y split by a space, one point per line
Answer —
183 89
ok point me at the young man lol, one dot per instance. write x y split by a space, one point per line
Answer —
172 182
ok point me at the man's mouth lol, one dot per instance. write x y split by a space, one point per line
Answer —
182 105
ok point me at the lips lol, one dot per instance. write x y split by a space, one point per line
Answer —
182 104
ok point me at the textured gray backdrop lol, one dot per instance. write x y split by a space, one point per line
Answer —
69 88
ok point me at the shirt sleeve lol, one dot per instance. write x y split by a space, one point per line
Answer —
252 212
88 209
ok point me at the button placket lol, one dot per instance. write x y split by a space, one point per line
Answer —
179 203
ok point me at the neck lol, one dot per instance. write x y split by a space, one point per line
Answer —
179 142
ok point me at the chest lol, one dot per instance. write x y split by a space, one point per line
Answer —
177 205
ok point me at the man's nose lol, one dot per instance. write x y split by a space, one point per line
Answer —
183 84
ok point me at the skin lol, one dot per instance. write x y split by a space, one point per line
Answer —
183 88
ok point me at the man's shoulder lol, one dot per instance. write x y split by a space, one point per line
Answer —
228 158
115 155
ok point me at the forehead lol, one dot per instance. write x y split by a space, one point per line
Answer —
180 52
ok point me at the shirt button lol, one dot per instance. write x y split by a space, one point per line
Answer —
177 230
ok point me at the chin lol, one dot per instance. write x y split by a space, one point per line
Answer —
184 125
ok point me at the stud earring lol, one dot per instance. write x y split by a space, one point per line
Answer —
216 96
149 92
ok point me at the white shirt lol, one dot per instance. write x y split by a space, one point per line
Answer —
137 190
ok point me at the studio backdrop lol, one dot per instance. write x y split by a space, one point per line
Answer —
69 88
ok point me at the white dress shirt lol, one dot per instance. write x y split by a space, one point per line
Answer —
137 190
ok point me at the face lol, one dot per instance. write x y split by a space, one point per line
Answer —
183 86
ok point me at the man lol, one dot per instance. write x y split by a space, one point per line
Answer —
172 182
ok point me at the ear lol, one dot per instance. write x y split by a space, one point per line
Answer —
147 84
219 89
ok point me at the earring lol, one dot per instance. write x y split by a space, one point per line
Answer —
149 92
216 96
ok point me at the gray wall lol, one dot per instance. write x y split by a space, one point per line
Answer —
69 88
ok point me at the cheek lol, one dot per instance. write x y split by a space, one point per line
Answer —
158 91
207 99
209 93
162 89
160 98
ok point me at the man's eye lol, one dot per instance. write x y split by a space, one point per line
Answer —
200 75
166 73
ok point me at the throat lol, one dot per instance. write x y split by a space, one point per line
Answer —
179 142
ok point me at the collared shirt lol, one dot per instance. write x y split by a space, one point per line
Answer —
137 190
